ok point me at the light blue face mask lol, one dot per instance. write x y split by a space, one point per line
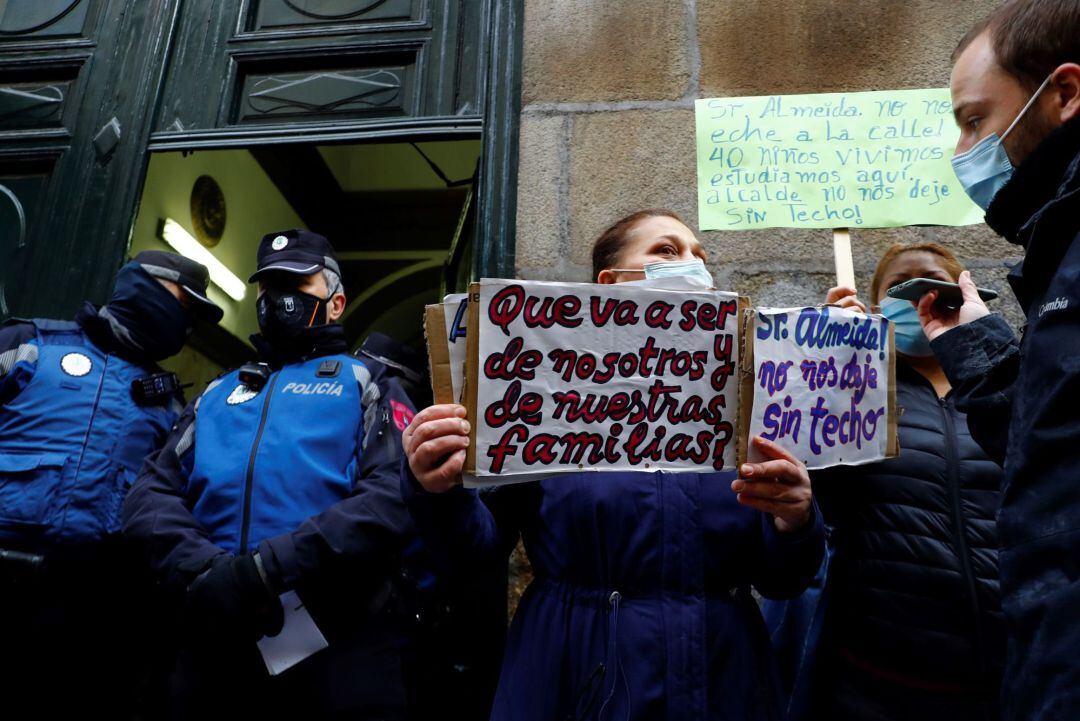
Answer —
985 168
910 338
694 269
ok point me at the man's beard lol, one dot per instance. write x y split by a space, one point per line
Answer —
1028 135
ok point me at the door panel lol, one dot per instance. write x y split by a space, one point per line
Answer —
77 78
291 65
42 18
357 15
28 103
358 86
22 193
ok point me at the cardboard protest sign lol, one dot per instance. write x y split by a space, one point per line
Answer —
455 307
577 376
836 160
442 388
444 329
824 385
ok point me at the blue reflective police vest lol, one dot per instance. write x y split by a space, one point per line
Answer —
265 460
72 440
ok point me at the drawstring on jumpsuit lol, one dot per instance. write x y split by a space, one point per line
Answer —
614 662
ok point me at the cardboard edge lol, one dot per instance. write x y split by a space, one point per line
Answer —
472 366
442 384
892 446
746 378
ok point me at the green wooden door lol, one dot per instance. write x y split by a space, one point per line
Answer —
77 81
251 73
89 87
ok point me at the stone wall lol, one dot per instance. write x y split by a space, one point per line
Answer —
607 123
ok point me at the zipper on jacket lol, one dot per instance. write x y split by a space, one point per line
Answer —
62 520
249 479
960 530
93 416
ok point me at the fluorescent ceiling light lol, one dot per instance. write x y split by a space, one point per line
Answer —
183 243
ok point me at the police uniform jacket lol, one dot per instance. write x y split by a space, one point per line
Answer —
303 470
72 437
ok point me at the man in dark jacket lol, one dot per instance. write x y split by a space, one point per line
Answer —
1016 97
283 477
82 404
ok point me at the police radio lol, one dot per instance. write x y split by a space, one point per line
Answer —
155 389
255 375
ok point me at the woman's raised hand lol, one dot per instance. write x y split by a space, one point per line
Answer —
780 486
435 444
844 296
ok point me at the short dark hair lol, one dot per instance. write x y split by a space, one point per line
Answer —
608 247
1030 37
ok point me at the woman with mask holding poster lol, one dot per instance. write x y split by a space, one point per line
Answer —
906 623
641 606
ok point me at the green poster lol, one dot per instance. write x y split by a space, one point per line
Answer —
834 160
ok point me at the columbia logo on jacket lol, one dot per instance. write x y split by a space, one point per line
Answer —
1060 303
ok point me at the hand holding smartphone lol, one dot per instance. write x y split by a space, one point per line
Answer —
949 294
942 306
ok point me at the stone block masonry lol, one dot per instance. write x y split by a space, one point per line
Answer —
608 122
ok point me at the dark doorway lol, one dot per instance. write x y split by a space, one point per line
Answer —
399 215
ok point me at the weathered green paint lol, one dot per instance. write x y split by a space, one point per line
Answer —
101 60
493 251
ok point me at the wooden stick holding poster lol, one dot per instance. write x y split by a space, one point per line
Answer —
845 266
578 376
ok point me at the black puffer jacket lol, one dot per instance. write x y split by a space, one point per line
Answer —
914 590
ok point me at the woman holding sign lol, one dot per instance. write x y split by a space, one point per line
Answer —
641 606
909 622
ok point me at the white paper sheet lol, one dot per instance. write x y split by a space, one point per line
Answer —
299 637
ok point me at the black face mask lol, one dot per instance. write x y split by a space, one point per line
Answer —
145 316
287 318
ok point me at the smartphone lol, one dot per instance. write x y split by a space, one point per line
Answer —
949 294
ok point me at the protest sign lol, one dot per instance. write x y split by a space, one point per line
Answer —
444 330
837 160
824 385
442 388
577 376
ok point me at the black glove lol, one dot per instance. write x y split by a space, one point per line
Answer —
231 599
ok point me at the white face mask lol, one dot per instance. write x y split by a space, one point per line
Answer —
693 269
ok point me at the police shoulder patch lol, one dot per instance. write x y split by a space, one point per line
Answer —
403 415
76 364
241 394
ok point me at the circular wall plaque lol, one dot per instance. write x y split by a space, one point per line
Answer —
207 211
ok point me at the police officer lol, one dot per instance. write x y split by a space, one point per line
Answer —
282 476
456 625
81 405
